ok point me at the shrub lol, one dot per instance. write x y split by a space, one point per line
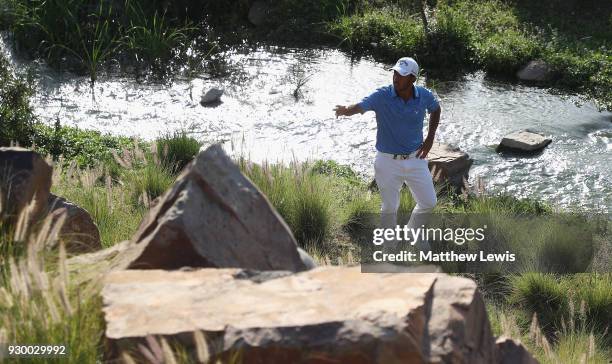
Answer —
87 147
506 52
380 31
334 169
16 114
177 150
449 43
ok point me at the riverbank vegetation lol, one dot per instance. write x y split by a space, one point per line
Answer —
497 36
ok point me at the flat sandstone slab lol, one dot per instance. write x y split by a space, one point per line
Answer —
331 313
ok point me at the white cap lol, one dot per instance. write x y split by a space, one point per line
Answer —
406 66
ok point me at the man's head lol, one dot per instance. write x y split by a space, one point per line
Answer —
405 72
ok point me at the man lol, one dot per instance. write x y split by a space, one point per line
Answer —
401 151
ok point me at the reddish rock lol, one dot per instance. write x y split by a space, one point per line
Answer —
24 176
325 315
79 232
449 164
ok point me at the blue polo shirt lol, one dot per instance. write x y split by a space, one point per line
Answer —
399 122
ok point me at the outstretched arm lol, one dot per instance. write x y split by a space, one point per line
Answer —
434 120
348 110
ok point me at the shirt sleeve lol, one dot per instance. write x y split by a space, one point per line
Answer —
371 102
431 102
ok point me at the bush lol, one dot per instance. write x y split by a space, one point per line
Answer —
177 150
87 147
334 169
381 32
16 114
449 44
506 52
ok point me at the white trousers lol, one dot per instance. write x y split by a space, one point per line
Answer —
391 174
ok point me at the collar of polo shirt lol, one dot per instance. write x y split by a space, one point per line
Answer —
415 92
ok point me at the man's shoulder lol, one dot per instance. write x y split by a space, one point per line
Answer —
385 90
424 90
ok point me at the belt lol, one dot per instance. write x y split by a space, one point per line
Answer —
400 156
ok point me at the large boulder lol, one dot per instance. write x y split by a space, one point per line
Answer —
449 164
213 216
523 141
329 314
536 70
24 177
79 232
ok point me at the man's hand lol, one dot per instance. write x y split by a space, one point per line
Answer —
424 148
348 110
340 110
434 120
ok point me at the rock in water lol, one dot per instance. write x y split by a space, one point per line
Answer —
259 13
449 164
523 142
536 70
211 96
24 176
79 232
328 314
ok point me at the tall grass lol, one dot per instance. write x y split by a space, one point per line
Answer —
582 301
68 28
38 306
150 38
302 198
85 35
176 150
106 201
573 344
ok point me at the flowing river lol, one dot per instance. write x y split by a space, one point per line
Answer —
259 117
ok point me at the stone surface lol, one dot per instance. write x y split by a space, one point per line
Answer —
449 164
24 176
523 141
512 352
212 96
79 232
309 263
536 70
213 216
325 315
259 13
